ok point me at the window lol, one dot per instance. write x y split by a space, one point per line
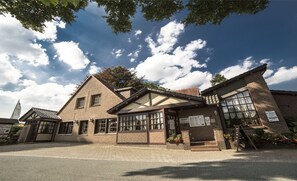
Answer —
66 128
133 122
239 109
112 125
83 127
105 126
80 103
46 127
100 125
156 120
95 100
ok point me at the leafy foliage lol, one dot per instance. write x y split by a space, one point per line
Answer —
218 78
119 13
120 77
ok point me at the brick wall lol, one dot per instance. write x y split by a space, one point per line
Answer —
132 137
264 101
157 137
287 104
70 113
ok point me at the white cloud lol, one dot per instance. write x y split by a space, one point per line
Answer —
172 68
48 96
166 39
271 76
235 70
137 34
282 74
53 79
20 43
117 52
193 79
129 40
50 30
71 54
94 69
8 73
134 55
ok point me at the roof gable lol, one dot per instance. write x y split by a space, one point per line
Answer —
146 98
107 85
261 69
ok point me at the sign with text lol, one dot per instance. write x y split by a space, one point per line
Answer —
196 121
183 120
207 121
271 116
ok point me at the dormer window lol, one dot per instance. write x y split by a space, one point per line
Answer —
96 100
80 103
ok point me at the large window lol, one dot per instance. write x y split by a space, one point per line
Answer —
95 100
133 122
239 109
46 127
83 127
139 122
66 128
156 120
105 126
80 103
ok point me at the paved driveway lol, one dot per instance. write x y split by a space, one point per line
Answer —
143 154
89 162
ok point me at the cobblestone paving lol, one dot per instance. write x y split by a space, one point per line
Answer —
143 153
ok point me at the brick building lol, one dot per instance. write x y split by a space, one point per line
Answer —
100 113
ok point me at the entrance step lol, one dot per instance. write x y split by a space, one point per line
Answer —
204 146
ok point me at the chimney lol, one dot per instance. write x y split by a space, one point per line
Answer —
193 91
126 91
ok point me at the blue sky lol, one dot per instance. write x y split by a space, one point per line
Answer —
42 69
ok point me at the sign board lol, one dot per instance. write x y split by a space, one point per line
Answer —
183 120
207 121
271 116
196 121
212 120
5 129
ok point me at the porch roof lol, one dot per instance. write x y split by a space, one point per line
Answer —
144 91
42 113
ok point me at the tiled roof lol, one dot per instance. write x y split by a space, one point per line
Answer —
284 92
194 91
8 121
42 113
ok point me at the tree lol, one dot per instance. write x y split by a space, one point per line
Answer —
218 78
119 13
120 77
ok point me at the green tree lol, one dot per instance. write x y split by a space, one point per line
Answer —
119 13
120 77
218 78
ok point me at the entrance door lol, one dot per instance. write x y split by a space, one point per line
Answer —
32 132
199 130
172 124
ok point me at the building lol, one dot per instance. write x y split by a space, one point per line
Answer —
40 125
99 113
85 117
5 126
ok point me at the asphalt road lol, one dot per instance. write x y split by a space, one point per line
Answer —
23 168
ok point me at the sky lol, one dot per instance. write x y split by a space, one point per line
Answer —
43 69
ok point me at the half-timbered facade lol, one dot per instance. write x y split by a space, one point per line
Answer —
40 125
